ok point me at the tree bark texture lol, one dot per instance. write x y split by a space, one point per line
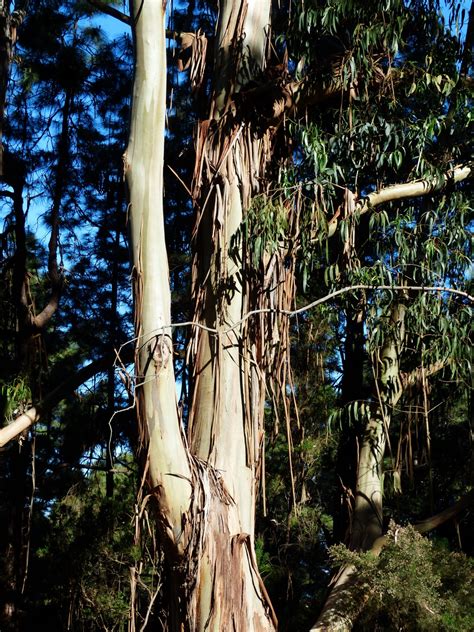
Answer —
204 484
225 422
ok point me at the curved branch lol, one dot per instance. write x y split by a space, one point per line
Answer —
305 308
114 13
433 522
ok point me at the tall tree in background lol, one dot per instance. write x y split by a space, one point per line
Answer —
48 138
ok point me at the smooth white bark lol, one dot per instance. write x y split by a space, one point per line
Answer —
413 189
19 425
168 462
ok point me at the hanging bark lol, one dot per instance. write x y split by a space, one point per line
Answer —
230 162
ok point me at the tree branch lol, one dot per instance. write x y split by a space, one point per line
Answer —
433 522
418 188
115 13
415 376
35 413
414 189
56 277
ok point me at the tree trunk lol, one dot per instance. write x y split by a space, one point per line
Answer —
351 390
368 517
205 493
347 597
226 423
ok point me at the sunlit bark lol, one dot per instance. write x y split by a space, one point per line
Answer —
226 423
405 190
230 165
169 469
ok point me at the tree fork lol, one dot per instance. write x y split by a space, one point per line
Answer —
198 510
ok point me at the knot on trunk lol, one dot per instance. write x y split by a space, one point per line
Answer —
160 350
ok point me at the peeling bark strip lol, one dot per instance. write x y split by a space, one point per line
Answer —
230 169
205 495
226 424
226 417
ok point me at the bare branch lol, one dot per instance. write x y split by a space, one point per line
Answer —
433 522
328 297
115 13
414 189
21 423
300 310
